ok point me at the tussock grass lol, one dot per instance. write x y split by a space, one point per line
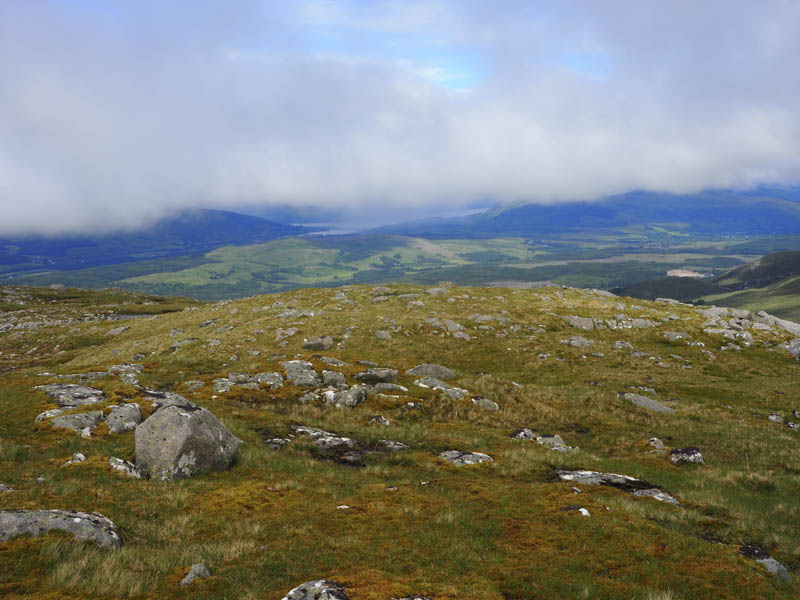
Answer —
490 531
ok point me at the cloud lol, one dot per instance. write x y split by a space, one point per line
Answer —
112 115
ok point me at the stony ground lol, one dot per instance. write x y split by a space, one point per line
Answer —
397 442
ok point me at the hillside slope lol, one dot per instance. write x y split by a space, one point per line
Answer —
394 519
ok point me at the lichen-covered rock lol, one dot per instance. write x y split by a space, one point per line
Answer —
377 375
380 420
334 379
320 589
431 370
124 417
92 527
301 373
79 421
390 446
459 458
70 394
648 403
179 442
273 380
554 442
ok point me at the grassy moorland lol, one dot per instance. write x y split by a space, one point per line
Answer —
414 524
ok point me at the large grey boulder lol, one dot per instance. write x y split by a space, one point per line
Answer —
124 417
92 527
648 403
431 370
71 394
178 442
320 589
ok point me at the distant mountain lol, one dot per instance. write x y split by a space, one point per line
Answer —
767 270
762 211
191 232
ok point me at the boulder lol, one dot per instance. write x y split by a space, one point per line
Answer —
124 417
459 458
377 375
177 442
441 386
431 370
92 527
554 442
165 399
117 330
318 343
383 335
648 403
270 379
334 379
320 589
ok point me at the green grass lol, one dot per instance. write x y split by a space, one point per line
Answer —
492 531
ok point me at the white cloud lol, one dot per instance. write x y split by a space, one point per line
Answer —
111 118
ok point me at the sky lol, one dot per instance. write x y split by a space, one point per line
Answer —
116 113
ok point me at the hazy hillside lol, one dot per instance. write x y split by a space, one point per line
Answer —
189 233
771 283
710 213
545 451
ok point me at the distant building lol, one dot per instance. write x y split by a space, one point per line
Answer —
683 273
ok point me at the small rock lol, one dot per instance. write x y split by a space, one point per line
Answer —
485 403
584 323
5 488
621 345
637 487
554 442
775 418
648 403
390 446
379 420
349 398
523 434
197 571
318 343
320 589
78 457
383 335
436 291
123 466
769 563
431 370
459 458
577 508
577 341
656 443
682 456
377 375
